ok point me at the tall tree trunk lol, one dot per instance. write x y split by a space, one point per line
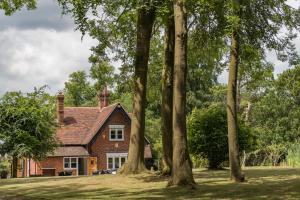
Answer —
182 165
14 167
167 93
234 160
146 17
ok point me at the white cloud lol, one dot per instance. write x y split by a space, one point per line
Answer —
37 57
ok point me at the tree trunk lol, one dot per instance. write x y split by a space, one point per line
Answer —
14 167
167 93
234 160
182 165
135 163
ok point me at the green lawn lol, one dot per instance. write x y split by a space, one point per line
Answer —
262 183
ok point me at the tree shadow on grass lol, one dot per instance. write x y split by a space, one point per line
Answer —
266 190
35 180
262 184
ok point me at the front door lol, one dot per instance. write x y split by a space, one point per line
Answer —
92 165
82 166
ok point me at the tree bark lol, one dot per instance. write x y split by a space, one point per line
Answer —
234 160
146 17
14 167
182 165
167 93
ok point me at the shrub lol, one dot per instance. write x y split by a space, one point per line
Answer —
207 135
4 167
293 156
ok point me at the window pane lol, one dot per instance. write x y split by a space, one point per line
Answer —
67 162
117 160
120 134
73 163
112 134
110 163
123 159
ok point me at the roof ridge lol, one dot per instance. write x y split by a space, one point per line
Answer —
92 107
111 105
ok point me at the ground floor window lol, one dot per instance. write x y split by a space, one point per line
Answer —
116 160
70 162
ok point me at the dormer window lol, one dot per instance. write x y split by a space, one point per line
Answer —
116 132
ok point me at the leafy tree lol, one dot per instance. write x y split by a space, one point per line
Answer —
182 166
146 17
254 24
78 90
11 6
114 29
207 131
207 51
167 91
276 116
27 125
102 72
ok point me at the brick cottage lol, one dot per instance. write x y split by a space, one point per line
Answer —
92 138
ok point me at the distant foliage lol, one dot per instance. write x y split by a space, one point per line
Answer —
207 135
293 156
4 167
79 91
275 117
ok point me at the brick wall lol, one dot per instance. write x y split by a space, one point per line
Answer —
101 145
52 162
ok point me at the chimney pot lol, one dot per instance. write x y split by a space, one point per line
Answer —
104 98
60 108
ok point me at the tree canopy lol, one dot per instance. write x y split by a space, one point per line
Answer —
27 124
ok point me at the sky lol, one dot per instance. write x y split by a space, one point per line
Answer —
40 47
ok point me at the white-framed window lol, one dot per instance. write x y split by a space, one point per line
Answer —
116 160
70 162
116 132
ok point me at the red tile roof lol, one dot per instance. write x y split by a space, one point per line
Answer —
70 151
82 123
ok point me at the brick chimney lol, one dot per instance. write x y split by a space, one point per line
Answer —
104 98
60 108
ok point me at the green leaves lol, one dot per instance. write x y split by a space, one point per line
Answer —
10 6
102 72
207 135
27 124
276 115
78 90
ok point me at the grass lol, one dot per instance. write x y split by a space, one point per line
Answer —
262 183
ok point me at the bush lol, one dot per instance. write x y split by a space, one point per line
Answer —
207 135
4 167
293 156
199 162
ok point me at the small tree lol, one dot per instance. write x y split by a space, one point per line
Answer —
207 131
27 125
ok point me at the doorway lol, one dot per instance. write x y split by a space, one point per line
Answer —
82 166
